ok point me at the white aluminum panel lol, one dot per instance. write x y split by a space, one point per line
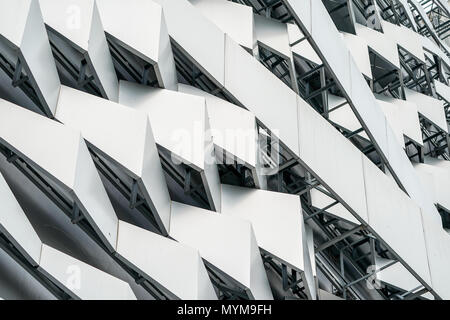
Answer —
332 158
66 160
177 119
393 116
273 34
85 281
429 107
439 185
36 51
276 219
144 34
396 219
123 134
261 92
442 90
330 44
180 124
175 266
223 241
79 21
345 117
13 19
359 50
406 38
408 117
367 108
233 128
395 275
380 43
14 222
321 200
302 11
303 48
183 21
234 19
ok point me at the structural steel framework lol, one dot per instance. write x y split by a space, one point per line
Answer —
214 149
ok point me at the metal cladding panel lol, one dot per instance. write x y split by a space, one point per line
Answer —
393 118
332 158
270 100
37 53
12 26
437 240
396 218
144 34
179 268
302 12
330 44
276 219
303 48
439 184
124 135
429 107
85 281
321 200
14 222
66 160
80 23
232 18
359 50
442 90
395 275
177 119
180 124
408 117
273 34
367 108
183 21
380 43
406 38
345 117
209 233
233 128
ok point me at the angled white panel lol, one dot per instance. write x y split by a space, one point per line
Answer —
437 180
175 266
233 128
380 43
301 11
14 222
406 38
180 124
330 44
144 34
21 24
303 48
66 160
234 19
332 158
260 91
123 134
442 90
276 219
272 34
183 21
226 242
79 21
408 117
360 52
396 218
393 118
395 275
85 281
321 200
429 107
